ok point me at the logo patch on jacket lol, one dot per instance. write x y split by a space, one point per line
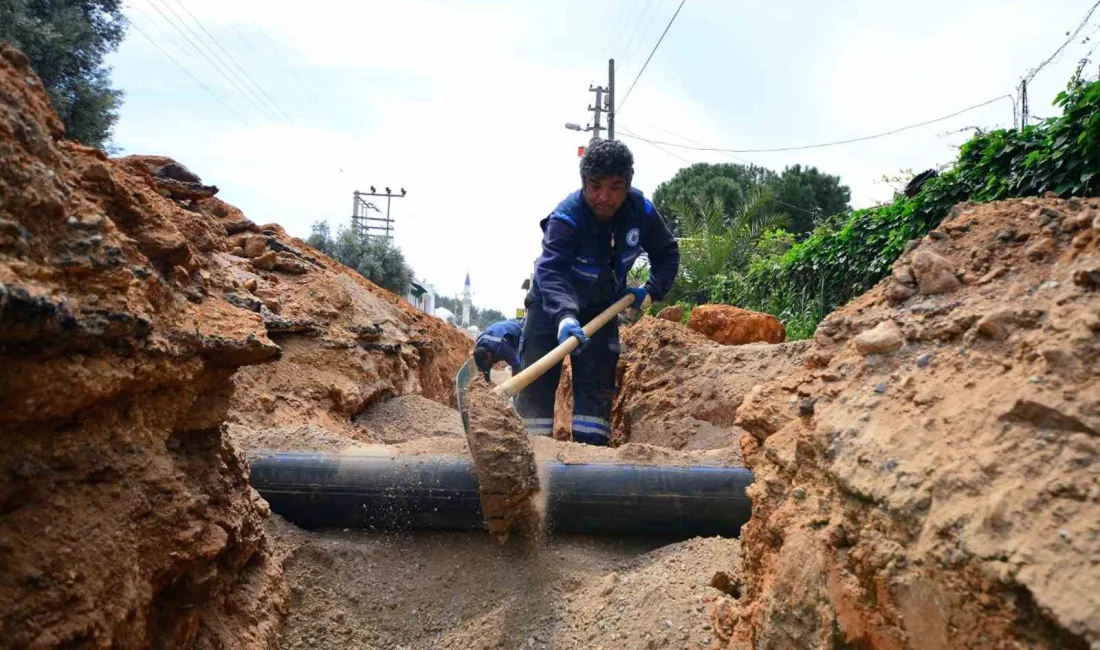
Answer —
632 236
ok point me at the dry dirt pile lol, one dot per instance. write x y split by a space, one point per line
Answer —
407 418
449 591
345 343
931 479
125 518
680 390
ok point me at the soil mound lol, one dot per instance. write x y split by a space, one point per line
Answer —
457 591
126 520
677 389
407 418
930 479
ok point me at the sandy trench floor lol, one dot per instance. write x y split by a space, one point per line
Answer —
434 589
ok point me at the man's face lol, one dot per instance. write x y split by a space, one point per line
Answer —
604 195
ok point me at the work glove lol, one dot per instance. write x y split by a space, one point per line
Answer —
641 297
571 327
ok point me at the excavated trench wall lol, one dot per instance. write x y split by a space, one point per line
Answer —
138 316
125 519
930 478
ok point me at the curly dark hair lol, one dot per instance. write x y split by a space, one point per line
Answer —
607 158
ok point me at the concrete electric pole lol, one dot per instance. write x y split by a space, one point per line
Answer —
611 99
597 111
605 103
361 223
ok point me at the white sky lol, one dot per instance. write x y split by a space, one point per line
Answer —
463 103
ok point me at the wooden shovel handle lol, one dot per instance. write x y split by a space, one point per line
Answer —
555 356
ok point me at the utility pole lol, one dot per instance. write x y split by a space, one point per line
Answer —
361 223
611 99
597 110
605 103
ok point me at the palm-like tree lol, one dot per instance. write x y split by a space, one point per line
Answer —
715 242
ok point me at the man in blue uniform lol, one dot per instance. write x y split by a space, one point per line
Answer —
589 244
499 342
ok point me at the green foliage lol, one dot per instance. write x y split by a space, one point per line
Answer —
800 192
376 259
848 254
727 182
66 42
321 238
715 242
808 196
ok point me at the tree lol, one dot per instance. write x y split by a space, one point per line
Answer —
705 181
716 242
804 193
486 317
321 237
66 42
809 196
383 264
376 258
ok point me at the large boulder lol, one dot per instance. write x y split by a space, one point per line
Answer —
731 325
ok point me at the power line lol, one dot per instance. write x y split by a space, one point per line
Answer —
1084 21
840 142
274 104
650 57
645 30
233 84
252 48
654 145
616 33
187 72
634 32
278 53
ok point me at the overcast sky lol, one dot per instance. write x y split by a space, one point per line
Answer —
463 103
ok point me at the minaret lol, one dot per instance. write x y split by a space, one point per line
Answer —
467 302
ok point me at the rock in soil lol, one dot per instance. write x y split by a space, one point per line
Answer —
731 325
672 313
881 339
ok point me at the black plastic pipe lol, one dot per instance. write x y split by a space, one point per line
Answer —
316 490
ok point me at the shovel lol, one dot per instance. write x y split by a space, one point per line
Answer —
517 383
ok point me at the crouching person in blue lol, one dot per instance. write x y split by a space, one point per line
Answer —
499 342
589 244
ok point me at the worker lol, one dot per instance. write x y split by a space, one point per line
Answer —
499 342
589 244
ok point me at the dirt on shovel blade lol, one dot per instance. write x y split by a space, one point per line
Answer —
505 464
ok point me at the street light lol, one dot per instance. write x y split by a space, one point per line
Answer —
573 126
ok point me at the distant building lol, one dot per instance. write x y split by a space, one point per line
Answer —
444 314
422 296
